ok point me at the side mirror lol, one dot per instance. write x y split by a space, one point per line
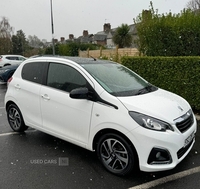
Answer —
79 93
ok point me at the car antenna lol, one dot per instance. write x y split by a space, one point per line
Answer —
89 56
93 57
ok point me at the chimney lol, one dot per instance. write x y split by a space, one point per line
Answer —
106 27
62 39
85 33
71 36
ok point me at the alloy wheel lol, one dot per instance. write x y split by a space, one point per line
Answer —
114 154
14 118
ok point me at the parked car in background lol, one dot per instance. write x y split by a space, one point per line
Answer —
104 107
6 60
6 72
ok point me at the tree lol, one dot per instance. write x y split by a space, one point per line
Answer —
20 45
6 32
35 42
122 37
194 5
44 42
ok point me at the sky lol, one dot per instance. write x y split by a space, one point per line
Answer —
33 17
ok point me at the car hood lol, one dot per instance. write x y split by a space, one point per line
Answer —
160 104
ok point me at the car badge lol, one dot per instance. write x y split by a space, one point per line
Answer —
180 108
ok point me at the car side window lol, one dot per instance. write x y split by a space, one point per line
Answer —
64 77
34 72
12 58
21 58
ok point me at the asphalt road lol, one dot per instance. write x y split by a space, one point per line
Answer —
35 160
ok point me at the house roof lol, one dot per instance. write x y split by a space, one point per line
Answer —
86 39
133 29
100 37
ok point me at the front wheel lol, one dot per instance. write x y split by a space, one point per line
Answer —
15 118
116 154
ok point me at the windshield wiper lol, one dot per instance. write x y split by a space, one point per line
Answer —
146 89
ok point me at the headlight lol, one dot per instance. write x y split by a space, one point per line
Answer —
150 122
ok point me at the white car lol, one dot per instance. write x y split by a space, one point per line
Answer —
104 107
7 60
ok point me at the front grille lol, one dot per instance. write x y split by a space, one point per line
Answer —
182 151
184 122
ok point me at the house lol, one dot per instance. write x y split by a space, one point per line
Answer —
133 32
103 38
71 39
86 37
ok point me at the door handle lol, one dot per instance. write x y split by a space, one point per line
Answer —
45 96
17 86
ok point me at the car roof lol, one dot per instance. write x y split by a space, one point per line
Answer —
10 55
78 60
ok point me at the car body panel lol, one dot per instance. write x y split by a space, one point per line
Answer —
68 118
161 104
6 72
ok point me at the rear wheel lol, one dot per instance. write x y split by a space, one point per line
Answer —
15 118
116 154
6 65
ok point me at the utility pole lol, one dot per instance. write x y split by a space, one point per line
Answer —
53 45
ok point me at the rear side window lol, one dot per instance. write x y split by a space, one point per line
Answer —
64 77
12 58
34 72
21 58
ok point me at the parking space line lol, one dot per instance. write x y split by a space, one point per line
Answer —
11 133
16 133
167 179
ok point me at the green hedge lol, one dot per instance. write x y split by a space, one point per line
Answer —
168 34
180 75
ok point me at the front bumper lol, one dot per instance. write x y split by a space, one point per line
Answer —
159 151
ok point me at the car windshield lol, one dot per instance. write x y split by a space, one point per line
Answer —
118 80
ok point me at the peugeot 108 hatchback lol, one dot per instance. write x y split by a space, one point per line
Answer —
104 107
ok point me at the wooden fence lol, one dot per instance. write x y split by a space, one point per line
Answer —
114 54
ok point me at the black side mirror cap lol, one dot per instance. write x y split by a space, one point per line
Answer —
79 93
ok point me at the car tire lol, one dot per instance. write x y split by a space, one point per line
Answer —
15 118
7 65
116 154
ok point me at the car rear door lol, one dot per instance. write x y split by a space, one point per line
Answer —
27 92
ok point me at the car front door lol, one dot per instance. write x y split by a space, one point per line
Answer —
63 116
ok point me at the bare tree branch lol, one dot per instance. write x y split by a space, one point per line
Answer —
6 32
194 5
